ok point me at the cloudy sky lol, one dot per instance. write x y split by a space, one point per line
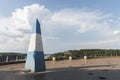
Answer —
65 24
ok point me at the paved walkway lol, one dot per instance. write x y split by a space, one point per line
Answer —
93 69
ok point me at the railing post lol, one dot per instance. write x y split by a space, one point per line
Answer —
54 59
70 58
16 58
7 59
85 59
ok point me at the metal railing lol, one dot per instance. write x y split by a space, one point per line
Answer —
4 59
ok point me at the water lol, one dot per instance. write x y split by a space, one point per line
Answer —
54 74
19 75
70 73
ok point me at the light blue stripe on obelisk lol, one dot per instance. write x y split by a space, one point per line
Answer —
35 57
35 61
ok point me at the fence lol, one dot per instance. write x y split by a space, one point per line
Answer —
16 58
12 58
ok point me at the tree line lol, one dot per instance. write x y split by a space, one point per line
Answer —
90 53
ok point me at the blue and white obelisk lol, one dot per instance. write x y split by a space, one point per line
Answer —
35 57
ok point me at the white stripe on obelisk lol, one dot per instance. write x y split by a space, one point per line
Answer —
35 43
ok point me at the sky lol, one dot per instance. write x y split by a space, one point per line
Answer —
65 24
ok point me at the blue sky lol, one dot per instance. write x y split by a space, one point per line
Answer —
108 6
65 24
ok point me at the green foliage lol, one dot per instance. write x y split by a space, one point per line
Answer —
90 53
59 55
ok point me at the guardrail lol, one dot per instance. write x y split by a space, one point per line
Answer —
12 59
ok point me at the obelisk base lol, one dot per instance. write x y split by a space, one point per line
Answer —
35 61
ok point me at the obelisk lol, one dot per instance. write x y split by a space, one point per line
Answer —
35 57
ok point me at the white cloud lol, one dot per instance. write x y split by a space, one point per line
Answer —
52 38
61 29
116 32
